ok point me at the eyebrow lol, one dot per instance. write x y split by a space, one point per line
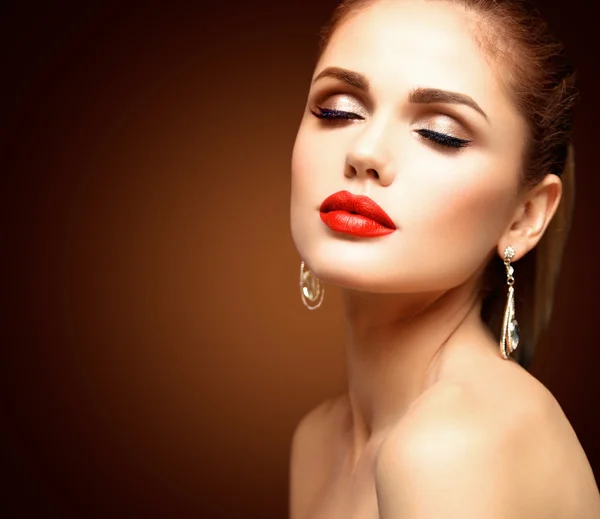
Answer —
417 95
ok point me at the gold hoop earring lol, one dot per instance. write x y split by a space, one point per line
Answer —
312 290
510 328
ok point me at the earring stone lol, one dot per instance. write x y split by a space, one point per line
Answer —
510 337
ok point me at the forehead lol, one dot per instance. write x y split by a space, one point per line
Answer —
399 44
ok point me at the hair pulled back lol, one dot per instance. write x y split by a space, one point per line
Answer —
539 78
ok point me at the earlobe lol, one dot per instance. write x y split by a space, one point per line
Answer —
532 217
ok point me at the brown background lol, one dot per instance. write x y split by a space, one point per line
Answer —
156 355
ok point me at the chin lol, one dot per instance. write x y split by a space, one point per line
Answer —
351 264
375 267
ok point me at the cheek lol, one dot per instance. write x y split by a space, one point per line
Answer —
474 210
301 168
303 177
461 216
317 172
314 162
310 162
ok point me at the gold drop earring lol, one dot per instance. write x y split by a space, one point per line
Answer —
510 328
312 290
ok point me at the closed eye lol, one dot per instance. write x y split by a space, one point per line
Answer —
326 113
443 139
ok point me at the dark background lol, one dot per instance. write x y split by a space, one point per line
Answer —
156 355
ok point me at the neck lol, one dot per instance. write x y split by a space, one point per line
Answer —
396 343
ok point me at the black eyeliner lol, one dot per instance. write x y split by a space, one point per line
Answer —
326 113
438 138
443 139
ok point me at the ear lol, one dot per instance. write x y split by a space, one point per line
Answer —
532 216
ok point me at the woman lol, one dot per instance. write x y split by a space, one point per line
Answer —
432 158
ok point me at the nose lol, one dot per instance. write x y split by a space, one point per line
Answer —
370 156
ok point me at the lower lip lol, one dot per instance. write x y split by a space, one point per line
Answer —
354 224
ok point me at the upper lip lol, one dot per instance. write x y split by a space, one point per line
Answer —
357 204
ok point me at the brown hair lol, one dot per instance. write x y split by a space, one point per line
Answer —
540 80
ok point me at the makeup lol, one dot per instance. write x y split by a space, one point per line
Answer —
357 215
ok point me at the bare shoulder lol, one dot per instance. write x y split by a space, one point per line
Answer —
311 450
497 446
318 425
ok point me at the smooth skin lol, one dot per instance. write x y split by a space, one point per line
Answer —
434 423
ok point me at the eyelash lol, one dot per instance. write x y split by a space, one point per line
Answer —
439 138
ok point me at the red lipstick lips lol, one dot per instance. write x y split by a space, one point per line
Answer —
357 215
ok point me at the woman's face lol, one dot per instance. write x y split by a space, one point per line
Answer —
449 201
